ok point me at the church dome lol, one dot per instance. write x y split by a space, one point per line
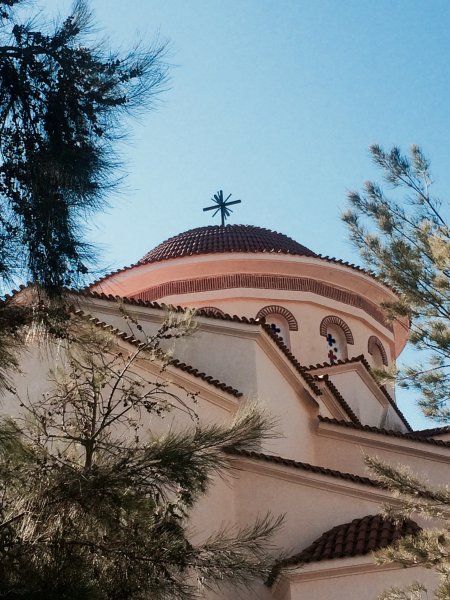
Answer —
255 272
224 239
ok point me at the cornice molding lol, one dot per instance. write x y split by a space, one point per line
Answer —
338 567
376 440
323 481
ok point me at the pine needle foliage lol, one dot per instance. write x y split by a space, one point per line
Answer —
429 548
45 317
94 503
63 100
403 236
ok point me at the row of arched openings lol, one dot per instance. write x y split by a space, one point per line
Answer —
334 329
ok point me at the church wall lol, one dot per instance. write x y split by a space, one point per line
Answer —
224 355
346 455
309 508
360 398
241 362
308 346
229 358
132 281
258 591
291 408
244 364
31 382
214 510
34 380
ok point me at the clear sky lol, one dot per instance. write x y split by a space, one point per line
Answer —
277 102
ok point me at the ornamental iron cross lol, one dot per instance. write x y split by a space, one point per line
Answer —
222 205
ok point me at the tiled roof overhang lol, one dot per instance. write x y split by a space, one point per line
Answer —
289 462
433 431
338 397
301 370
357 538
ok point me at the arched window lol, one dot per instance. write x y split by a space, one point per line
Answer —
279 326
280 320
211 311
376 349
337 336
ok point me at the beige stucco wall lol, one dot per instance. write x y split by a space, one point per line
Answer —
237 356
336 452
368 403
311 504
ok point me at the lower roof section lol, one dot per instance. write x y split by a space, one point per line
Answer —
356 538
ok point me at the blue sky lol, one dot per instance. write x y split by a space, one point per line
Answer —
277 102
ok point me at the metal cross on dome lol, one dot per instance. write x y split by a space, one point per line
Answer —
222 205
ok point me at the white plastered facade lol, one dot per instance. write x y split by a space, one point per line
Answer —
306 472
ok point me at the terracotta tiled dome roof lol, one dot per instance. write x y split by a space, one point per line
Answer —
357 538
231 238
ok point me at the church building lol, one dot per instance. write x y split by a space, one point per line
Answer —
300 333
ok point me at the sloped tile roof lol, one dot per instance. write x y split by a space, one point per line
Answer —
339 398
290 462
433 431
301 370
357 538
87 293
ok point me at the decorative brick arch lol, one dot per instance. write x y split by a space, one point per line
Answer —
262 282
274 309
373 343
333 320
211 311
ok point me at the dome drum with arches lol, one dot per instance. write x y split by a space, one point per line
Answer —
255 272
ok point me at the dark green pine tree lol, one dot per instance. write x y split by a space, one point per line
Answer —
63 100
403 235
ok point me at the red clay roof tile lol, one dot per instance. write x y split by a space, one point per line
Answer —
357 538
338 397
290 462
433 431
230 238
